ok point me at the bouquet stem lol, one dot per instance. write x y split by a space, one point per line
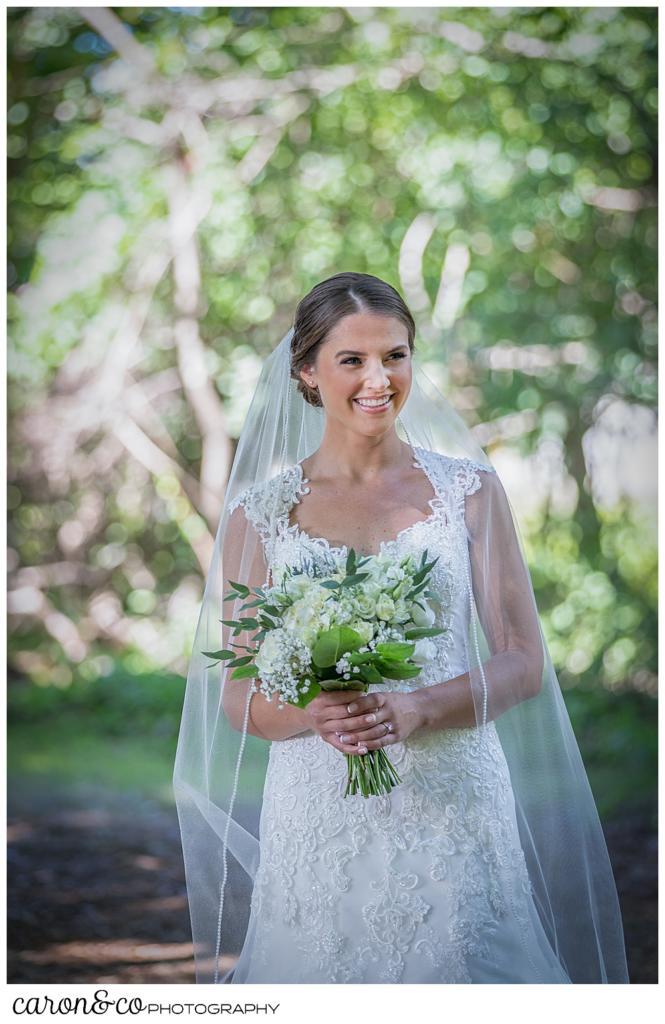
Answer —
371 774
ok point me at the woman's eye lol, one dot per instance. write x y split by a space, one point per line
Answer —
398 355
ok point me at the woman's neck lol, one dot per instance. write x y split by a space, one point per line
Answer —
357 459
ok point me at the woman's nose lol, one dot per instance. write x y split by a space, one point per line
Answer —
378 378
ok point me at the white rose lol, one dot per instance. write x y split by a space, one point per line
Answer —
425 650
364 605
365 629
385 607
422 616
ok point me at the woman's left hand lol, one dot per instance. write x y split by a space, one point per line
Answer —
399 710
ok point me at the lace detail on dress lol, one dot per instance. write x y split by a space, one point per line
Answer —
268 503
428 871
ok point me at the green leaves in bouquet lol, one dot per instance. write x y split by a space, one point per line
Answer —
241 624
369 673
391 668
395 649
331 645
242 666
352 565
352 575
241 590
421 578
418 632
245 672
218 656
304 698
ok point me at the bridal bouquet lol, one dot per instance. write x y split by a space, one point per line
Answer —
344 629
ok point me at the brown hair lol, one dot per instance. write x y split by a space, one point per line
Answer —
327 303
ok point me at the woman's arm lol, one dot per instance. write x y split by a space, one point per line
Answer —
507 611
244 562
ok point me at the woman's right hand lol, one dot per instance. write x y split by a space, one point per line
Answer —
327 715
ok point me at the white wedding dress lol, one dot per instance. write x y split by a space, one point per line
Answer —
429 883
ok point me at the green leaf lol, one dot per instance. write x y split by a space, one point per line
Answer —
309 695
244 660
331 584
230 622
350 562
331 645
396 669
245 672
219 654
370 674
417 590
358 577
420 631
395 649
241 588
249 623
356 658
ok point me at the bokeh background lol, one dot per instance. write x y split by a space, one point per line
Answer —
178 179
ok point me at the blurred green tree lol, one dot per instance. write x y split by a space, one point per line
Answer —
179 177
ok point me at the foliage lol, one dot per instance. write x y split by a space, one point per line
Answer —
176 187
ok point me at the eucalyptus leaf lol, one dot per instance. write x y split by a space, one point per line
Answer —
350 581
241 588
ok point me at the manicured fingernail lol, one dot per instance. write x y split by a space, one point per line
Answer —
351 708
370 718
362 750
345 739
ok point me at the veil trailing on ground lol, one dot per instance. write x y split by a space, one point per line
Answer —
221 759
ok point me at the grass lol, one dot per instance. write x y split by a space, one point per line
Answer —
121 733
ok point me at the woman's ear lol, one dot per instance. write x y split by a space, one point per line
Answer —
307 374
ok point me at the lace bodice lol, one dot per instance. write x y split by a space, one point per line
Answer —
442 533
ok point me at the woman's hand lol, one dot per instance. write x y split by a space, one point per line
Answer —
350 731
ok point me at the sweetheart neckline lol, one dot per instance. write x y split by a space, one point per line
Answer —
435 503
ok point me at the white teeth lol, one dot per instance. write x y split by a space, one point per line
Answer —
373 401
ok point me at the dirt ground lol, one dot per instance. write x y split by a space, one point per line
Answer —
96 890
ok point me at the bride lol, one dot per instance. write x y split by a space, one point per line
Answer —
487 863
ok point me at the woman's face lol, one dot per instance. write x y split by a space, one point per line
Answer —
365 356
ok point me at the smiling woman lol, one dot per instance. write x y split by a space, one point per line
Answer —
486 863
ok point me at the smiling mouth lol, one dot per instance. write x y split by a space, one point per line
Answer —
374 403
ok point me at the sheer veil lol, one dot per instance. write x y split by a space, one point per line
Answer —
220 766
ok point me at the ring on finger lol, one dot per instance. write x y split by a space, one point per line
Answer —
388 726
